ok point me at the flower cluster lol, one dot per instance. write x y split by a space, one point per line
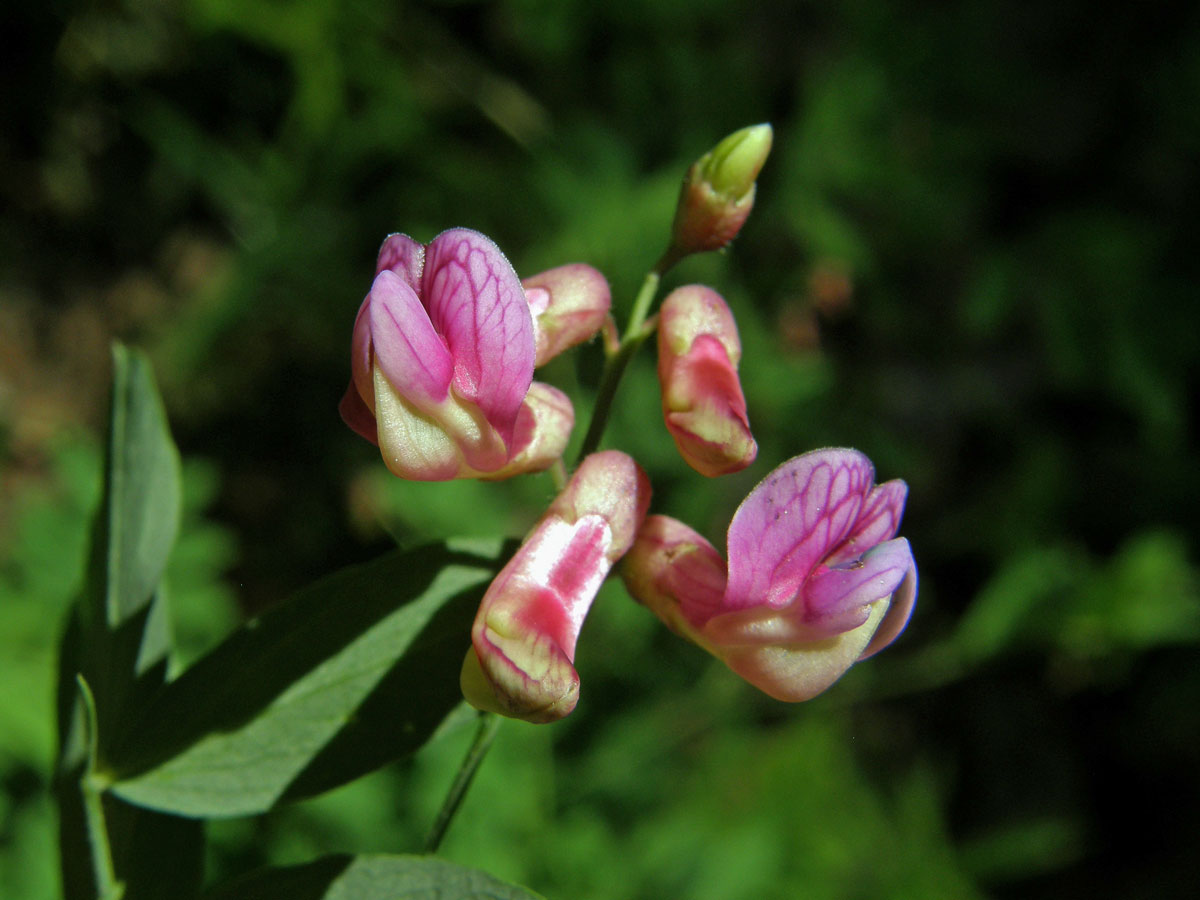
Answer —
444 351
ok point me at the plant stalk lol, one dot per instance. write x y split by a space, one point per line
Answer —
485 733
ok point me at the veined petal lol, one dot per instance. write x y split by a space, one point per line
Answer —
835 598
404 256
476 303
790 522
878 522
407 348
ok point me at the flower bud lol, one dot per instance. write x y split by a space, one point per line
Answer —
569 305
816 578
703 405
718 192
521 663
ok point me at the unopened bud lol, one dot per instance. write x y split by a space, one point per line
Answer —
703 405
718 192
569 305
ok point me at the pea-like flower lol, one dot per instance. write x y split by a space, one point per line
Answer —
816 579
521 663
702 400
443 355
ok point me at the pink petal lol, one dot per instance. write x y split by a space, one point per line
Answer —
560 570
542 430
361 361
790 522
898 613
524 636
404 256
878 522
569 304
407 349
676 572
476 303
704 409
354 412
611 485
837 599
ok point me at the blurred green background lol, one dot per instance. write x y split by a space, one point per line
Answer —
969 259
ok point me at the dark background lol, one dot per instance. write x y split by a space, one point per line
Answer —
969 258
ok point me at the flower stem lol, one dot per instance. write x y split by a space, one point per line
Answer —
489 724
635 334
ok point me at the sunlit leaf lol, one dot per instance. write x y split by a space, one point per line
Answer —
140 514
353 672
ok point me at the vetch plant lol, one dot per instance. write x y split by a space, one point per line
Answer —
371 663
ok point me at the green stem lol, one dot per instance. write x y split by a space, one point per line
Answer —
489 724
91 789
614 367
108 886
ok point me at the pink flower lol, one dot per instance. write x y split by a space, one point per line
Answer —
703 404
443 358
522 660
816 578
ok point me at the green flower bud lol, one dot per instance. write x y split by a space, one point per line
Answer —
718 192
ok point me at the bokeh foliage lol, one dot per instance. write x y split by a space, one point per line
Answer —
969 259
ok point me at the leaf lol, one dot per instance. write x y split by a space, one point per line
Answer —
371 877
351 673
123 636
139 518
113 655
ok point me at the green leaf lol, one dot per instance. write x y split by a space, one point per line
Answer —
373 877
353 672
139 518
113 656
123 635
